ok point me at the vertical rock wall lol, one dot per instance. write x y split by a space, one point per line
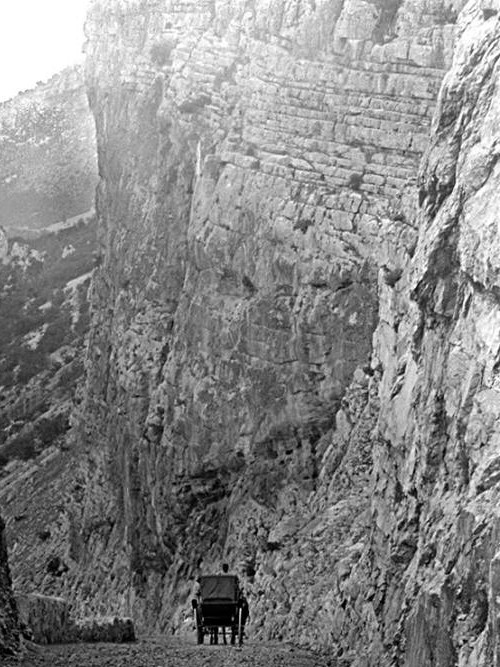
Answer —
9 623
436 542
256 162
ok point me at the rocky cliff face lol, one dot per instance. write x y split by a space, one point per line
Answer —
257 165
294 350
47 139
9 630
436 518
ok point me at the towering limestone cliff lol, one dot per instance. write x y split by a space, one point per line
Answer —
294 350
256 163
47 141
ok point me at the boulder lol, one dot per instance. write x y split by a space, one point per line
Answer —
109 629
46 619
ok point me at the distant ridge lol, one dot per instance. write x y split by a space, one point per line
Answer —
48 170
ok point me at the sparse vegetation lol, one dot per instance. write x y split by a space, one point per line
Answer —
489 13
385 28
42 312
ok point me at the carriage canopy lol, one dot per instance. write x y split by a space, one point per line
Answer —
219 587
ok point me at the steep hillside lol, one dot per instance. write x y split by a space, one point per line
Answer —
44 322
48 170
48 173
44 318
294 347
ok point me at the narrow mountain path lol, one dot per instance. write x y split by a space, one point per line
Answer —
160 652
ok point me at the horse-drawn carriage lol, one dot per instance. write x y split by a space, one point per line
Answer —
220 603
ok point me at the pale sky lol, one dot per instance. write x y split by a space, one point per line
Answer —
37 39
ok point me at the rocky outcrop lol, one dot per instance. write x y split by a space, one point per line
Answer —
47 620
435 544
9 622
48 171
115 630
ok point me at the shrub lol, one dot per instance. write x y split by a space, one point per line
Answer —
161 52
31 363
7 379
487 14
48 429
21 447
355 181
54 336
70 373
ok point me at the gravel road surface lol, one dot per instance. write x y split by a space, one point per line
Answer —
159 652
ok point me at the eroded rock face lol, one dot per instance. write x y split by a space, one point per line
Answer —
436 513
9 623
256 166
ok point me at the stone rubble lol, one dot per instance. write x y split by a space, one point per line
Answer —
48 620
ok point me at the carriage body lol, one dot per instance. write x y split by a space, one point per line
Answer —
219 606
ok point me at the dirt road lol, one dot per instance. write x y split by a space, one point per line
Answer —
160 653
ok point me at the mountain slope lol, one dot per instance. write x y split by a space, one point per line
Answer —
44 318
48 171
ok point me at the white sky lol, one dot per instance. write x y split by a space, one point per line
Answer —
37 39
